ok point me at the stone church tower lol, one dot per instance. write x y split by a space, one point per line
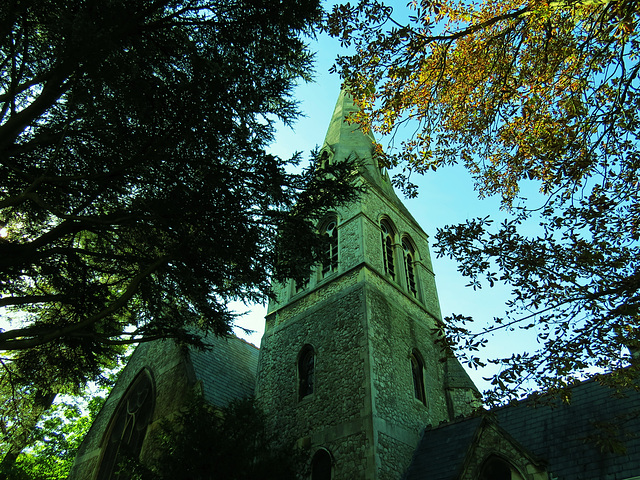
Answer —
349 368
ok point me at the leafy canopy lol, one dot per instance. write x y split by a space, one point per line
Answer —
136 193
521 93
56 439
40 433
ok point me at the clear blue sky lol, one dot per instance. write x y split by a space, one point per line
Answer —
445 197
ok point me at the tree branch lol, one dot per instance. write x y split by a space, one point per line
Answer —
29 337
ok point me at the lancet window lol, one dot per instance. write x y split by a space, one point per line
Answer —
325 159
417 373
306 371
330 260
387 249
409 267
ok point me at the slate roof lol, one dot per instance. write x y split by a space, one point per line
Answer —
227 370
442 450
571 439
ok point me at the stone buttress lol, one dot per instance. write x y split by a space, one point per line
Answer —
349 368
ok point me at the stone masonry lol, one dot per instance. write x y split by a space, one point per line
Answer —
363 324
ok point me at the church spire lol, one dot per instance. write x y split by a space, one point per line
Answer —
349 367
347 140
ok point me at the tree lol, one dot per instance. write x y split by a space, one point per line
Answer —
232 444
137 195
520 93
50 429
56 439
20 409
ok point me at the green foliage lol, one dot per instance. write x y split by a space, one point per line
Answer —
50 428
56 438
542 94
203 443
137 196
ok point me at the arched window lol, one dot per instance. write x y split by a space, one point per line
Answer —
387 249
321 465
417 373
128 425
409 268
306 368
325 159
330 260
495 468
300 286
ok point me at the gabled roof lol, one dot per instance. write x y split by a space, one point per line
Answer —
442 450
227 370
577 441
460 449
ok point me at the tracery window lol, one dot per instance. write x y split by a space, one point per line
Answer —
417 373
321 465
330 261
409 267
387 249
306 371
128 426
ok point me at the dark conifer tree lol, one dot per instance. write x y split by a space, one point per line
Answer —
137 196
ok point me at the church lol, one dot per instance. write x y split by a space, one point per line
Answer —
349 370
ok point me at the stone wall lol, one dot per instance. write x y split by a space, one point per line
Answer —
396 328
336 410
394 454
350 453
364 325
463 402
375 208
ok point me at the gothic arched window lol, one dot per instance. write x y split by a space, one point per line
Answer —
409 267
128 425
330 260
417 373
321 465
306 371
495 468
387 249
325 159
